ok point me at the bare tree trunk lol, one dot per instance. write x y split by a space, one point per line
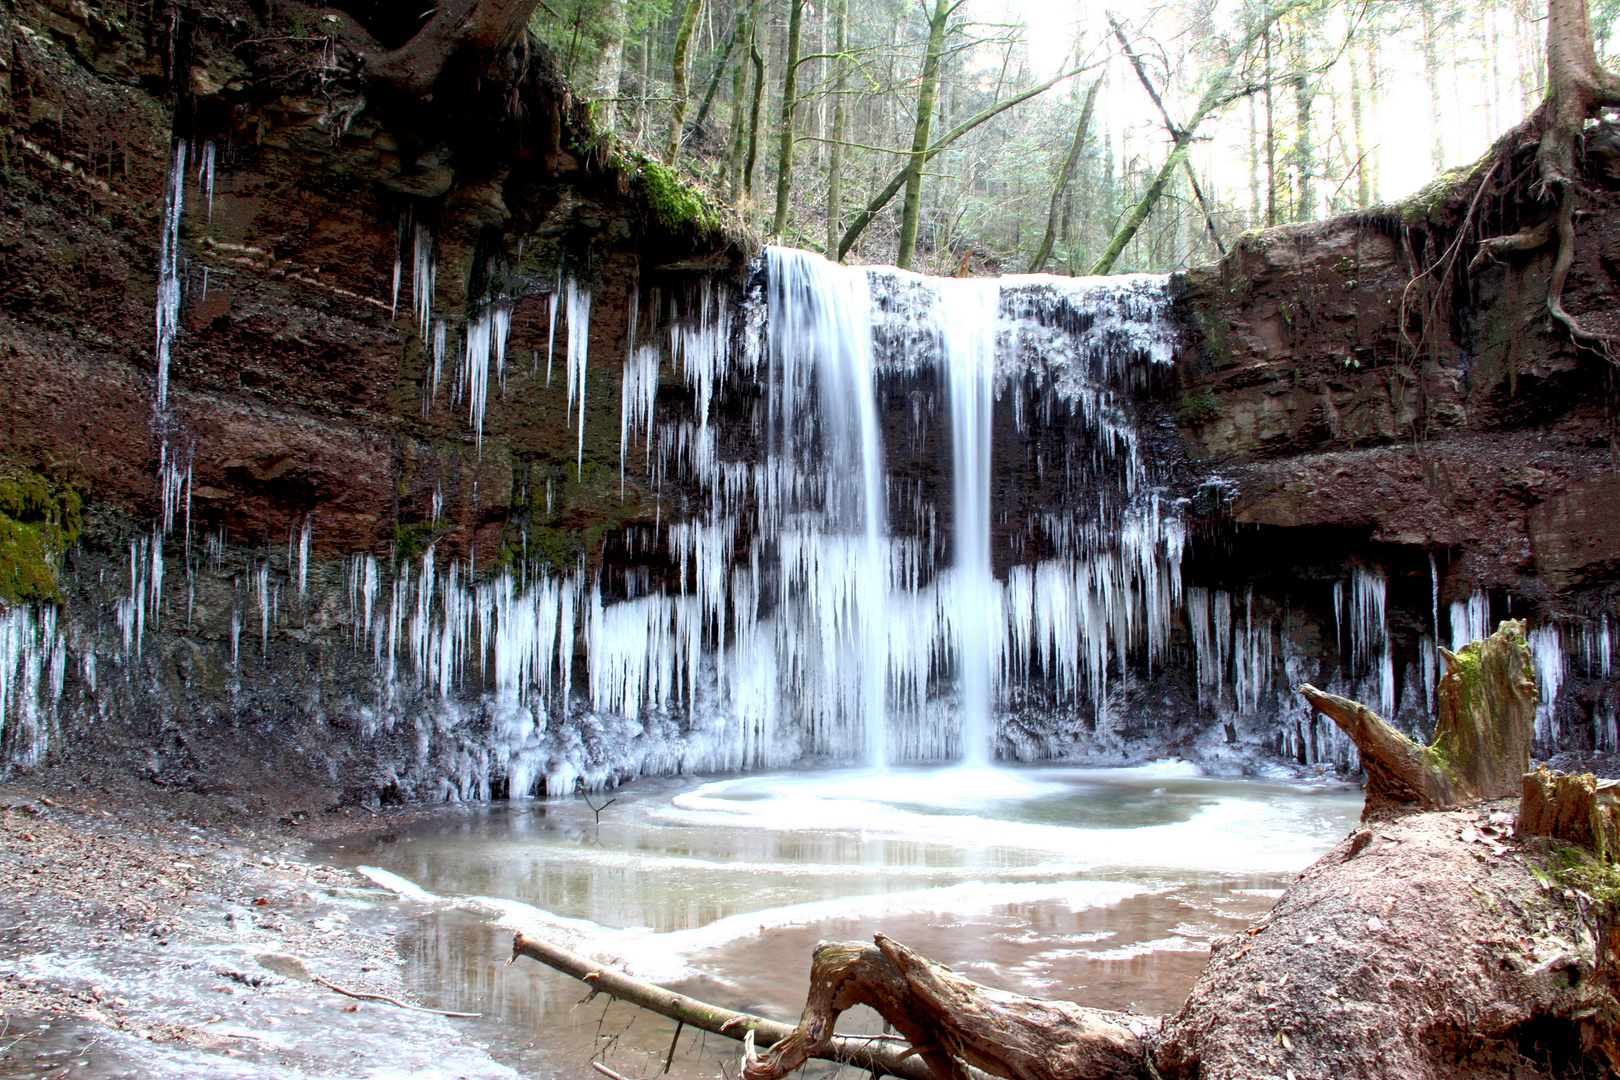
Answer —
882 198
1271 140
696 127
677 90
739 88
1254 164
1214 96
784 154
1374 98
1358 122
753 120
911 209
835 154
1175 133
1431 75
605 92
1065 176
1304 147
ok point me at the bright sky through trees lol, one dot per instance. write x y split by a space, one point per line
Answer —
1322 106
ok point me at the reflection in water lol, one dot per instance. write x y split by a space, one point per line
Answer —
1099 886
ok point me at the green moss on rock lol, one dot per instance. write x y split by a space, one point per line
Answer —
412 538
38 521
677 203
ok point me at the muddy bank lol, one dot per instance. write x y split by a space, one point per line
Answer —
138 939
1429 945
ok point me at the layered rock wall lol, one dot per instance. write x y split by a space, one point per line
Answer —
1368 468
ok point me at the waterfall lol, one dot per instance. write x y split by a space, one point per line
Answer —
969 311
820 337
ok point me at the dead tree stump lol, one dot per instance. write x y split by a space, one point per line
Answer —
1482 738
1576 808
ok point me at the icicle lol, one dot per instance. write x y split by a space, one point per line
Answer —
261 588
501 327
303 554
399 261
551 327
579 332
168 285
205 180
423 272
474 376
1470 620
1547 648
638 396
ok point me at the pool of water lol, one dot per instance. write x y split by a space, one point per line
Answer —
1101 886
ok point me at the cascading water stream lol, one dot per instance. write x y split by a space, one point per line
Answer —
820 327
818 604
968 313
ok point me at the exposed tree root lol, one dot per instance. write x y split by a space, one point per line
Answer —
480 30
1578 88
952 1022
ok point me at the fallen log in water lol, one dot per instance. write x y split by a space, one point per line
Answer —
952 1022
880 1056
948 1021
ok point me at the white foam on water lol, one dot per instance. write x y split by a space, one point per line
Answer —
667 956
386 879
1230 833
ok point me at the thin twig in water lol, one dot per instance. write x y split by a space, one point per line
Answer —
597 810
605 1071
389 1000
670 1057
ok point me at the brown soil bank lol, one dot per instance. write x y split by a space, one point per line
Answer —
1431 945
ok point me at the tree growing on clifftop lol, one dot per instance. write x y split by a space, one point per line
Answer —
1578 89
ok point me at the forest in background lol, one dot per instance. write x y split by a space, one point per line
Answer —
1011 135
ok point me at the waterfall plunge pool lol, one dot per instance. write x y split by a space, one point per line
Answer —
1103 886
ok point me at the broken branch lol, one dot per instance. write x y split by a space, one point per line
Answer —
884 1059
1481 748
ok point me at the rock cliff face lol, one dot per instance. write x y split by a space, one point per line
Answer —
324 241
224 610
1359 395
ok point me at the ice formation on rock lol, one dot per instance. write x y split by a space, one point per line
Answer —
167 307
821 600
578 316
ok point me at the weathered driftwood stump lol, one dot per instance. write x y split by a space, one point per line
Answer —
952 1022
1481 748
1576 808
